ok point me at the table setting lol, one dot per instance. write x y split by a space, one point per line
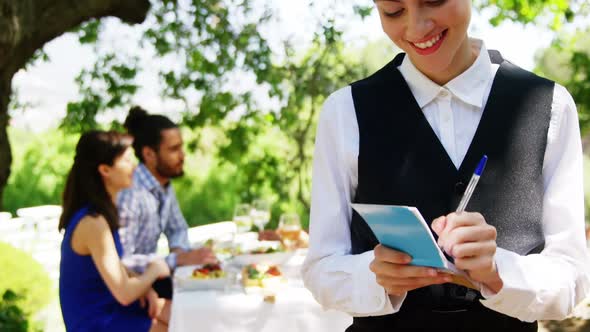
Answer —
256 286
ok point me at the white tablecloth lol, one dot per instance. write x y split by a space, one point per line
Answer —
232 310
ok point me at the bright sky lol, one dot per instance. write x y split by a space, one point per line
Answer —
48 86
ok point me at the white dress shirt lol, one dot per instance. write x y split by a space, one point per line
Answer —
536 287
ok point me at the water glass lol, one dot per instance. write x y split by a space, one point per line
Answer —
260 213
242 218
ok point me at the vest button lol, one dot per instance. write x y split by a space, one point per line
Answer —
460 188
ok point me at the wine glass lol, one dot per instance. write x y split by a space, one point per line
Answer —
289 229
242 218
260 213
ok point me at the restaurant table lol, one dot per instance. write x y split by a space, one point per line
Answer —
232 309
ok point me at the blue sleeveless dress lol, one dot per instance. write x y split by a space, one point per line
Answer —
87 305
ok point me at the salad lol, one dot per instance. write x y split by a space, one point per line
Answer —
209 271
256 275
261 249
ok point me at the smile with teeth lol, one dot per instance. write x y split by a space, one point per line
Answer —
428 43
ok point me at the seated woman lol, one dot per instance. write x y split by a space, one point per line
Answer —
96 292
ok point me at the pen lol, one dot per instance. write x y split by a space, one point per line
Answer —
472 184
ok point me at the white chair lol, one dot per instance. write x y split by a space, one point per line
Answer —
48 225
19 232
5 216
10 233
218 230
40 212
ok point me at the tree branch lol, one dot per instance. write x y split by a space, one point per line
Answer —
26 25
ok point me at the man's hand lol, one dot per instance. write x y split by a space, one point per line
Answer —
158 267
196 257
397 277
472 243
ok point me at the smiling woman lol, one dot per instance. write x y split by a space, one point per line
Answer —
432 33
410 135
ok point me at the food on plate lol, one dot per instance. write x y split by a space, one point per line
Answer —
268 235
298 239
303 241
260 275
260 249
208 271
267 250
220 248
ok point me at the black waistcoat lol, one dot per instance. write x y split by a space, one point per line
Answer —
402 162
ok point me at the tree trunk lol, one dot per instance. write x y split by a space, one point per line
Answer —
26 25
5 154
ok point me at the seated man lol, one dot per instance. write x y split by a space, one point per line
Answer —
150 208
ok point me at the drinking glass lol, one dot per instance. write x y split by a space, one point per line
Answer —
260 213
242 218
289 229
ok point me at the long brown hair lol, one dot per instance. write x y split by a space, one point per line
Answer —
84 186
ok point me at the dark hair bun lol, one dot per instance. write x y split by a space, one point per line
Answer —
135 119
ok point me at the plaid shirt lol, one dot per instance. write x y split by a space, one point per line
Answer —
146 210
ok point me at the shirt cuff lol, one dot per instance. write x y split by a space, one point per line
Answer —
368 293
171 261
138 262
515 298
179 241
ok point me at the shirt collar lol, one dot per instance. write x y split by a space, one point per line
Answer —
146 179
470 86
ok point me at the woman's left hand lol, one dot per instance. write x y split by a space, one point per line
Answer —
472 243
154 303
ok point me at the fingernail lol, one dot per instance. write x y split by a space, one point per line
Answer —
434 225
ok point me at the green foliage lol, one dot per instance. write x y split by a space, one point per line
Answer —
323 69
567 61
215 60
25 277
212 42
109 84
527 11
12 317
557 12
363 11
40 167
207 193
88 32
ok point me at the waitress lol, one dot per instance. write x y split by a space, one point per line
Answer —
412 134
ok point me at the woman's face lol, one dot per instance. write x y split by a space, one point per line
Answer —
120 175
433 33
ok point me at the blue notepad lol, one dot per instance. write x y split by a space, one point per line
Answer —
403 228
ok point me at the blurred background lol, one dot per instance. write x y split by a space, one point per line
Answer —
245 79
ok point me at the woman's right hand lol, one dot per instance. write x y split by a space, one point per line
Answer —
159 268
397 277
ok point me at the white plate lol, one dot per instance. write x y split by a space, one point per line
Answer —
276 258
183 279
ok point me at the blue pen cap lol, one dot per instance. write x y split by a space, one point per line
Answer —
481 165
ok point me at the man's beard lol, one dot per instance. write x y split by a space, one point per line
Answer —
168 172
